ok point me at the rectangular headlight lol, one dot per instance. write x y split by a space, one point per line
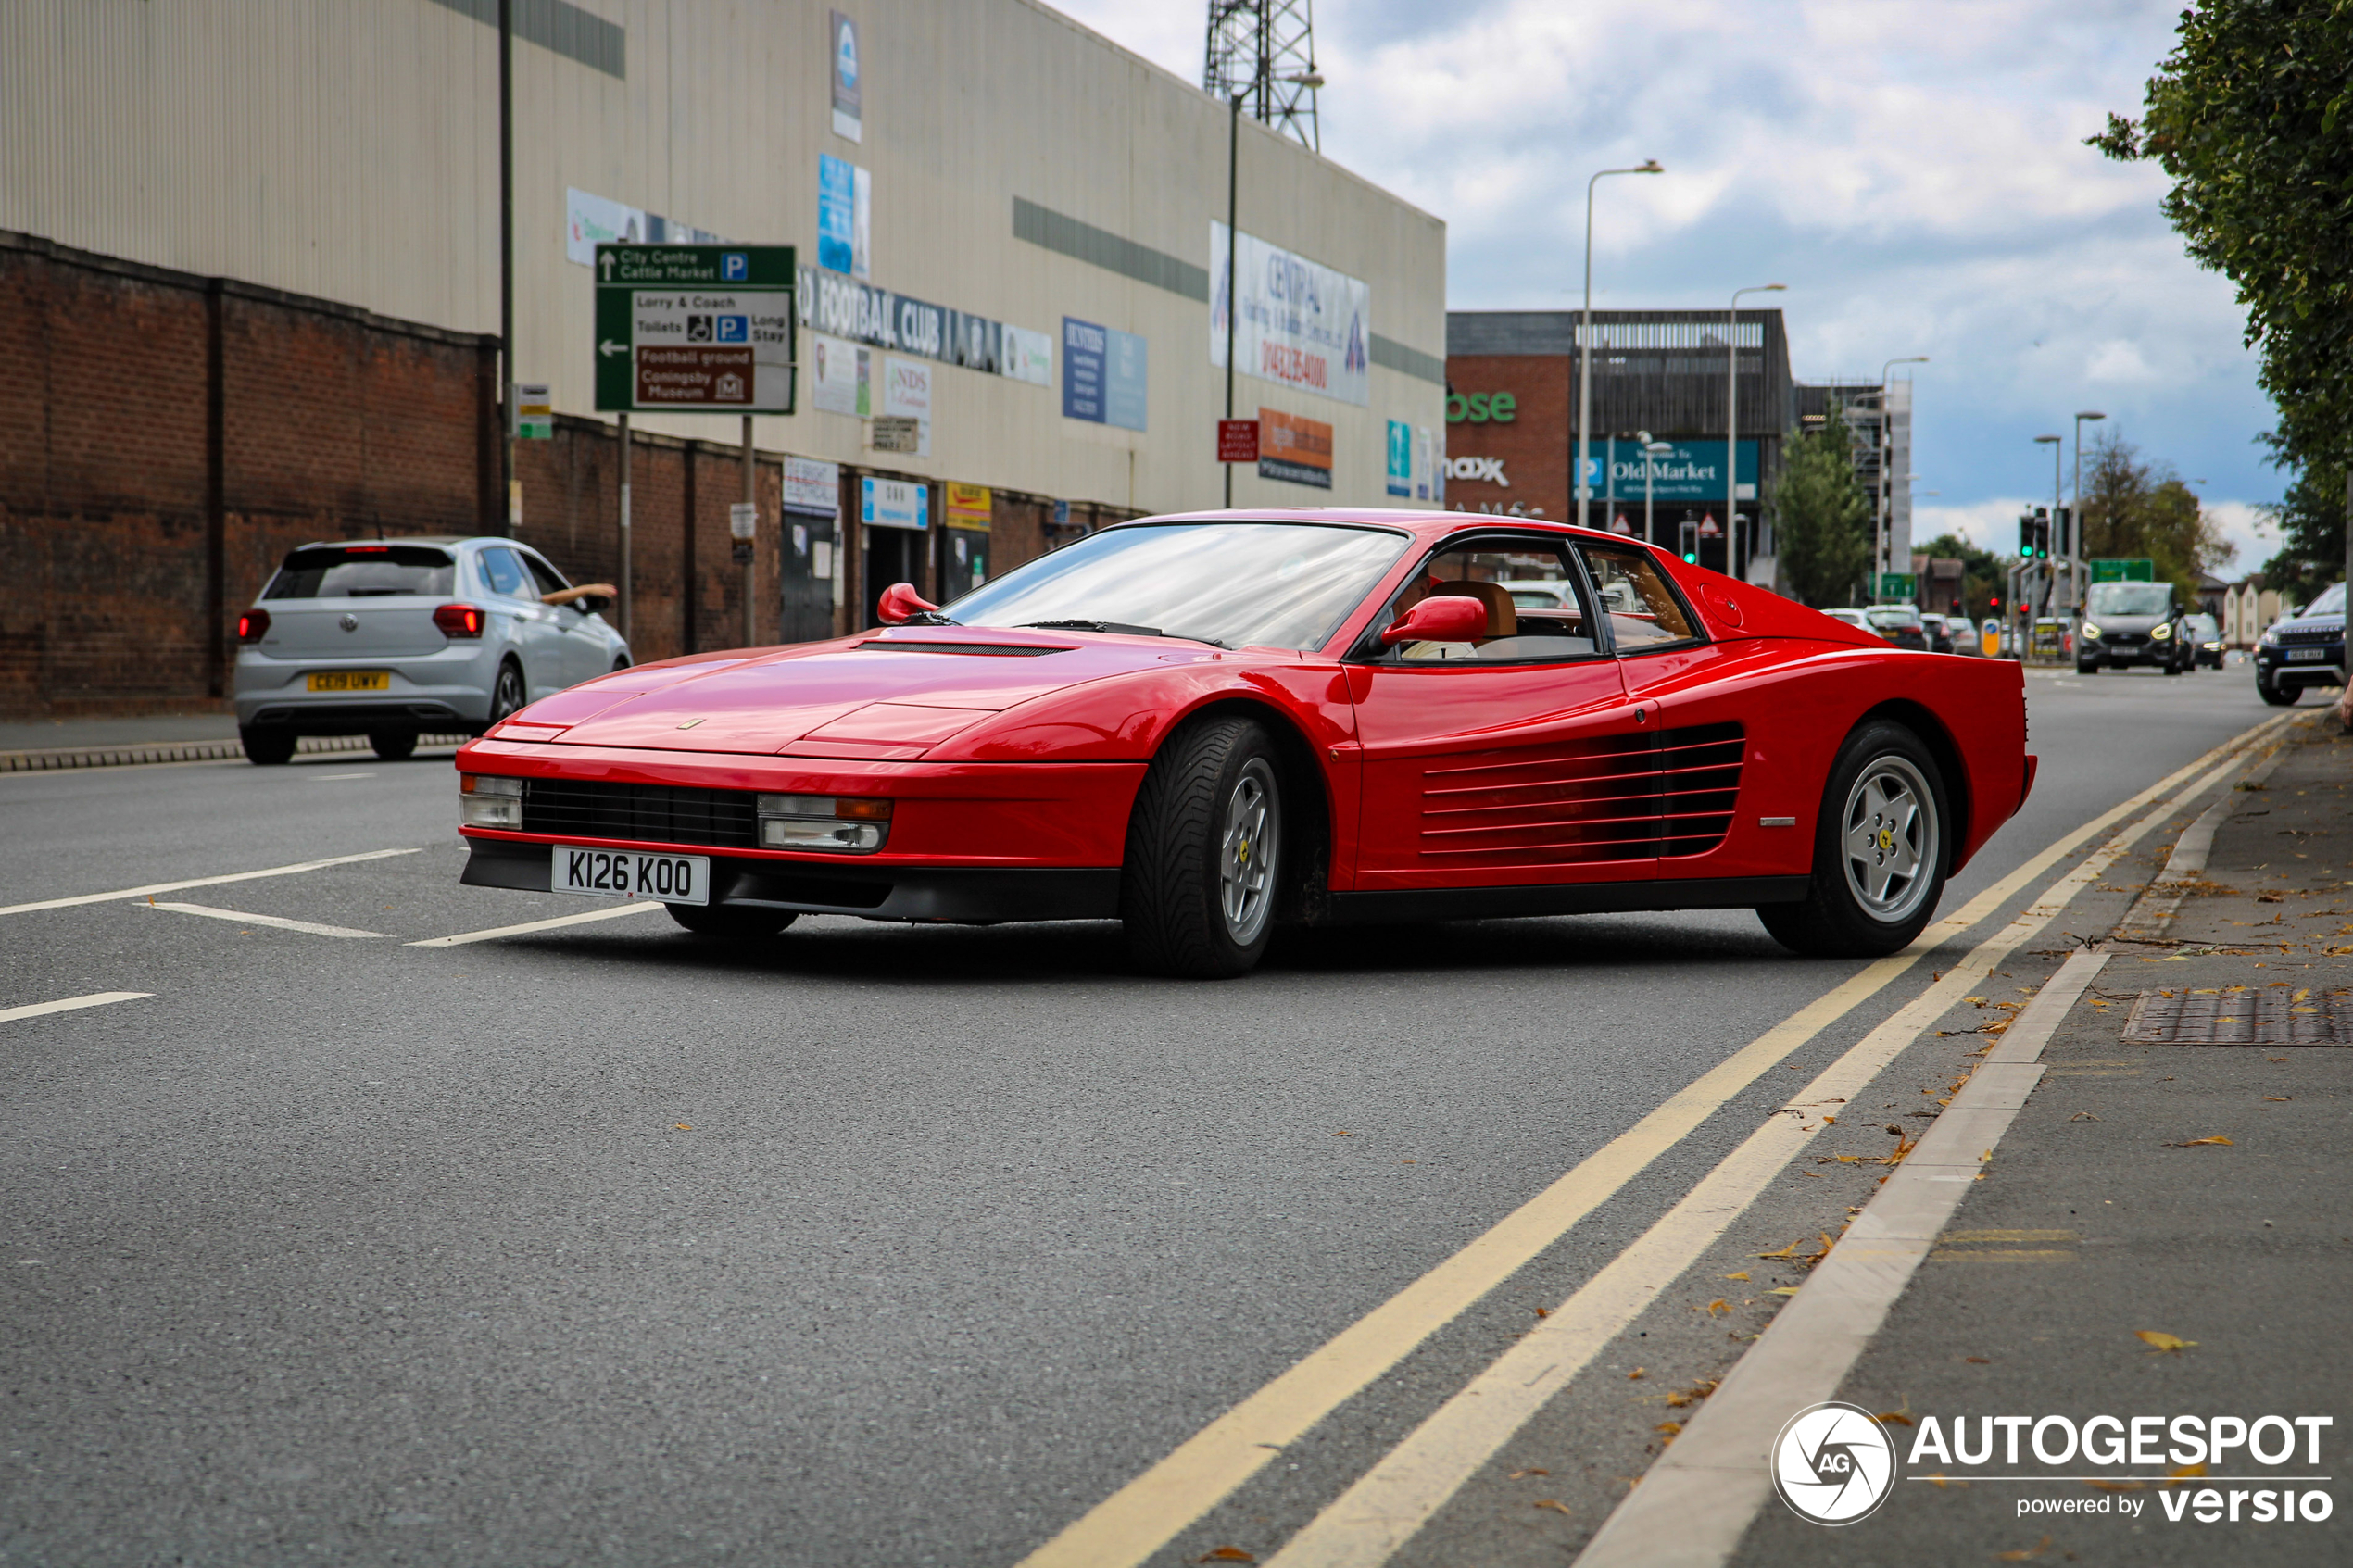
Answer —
834 825
486 801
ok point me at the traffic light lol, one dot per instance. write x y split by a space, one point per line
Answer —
2033 536
1994 605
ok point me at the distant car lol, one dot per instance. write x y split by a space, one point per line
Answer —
1899 624
1545 593
2127 623
390 638
1946 634
2305 649
2206 640
1852 616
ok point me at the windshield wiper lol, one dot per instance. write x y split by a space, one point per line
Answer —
1120 627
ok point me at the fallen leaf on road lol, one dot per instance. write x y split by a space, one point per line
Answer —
1343 1134
1672 1428
2159 1340
2188 1472
1940 1481
2279 1099
1636 1375
1531 1471
1743 1274
2082 1116
1554 1503
1718 1305
2193 1143
2112 1485
1544 1312
1782 1290
2024 1553
682 1127
1225 1554
1789 1251
1896 1418
1979 1360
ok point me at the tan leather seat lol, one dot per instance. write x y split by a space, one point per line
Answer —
1502 616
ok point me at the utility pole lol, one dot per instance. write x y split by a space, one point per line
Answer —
1233 283
1731 427
1581 486
628 597
507 264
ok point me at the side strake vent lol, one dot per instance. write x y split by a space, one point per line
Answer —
971 651
1617 798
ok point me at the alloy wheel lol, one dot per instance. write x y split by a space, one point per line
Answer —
1246 852
1889 839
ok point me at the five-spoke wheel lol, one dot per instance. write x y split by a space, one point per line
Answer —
1880 850
1205 865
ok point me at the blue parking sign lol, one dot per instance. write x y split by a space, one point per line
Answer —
735 265
735 328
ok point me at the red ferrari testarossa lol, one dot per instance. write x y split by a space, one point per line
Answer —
1206 725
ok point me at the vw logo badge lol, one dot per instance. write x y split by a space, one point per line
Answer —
1834 1463
349 622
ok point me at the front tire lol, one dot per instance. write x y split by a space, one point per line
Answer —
394 746
1205 865
1880 851
2082 669
267 748
2275 695
731 922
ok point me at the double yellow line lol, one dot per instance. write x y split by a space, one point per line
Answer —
1149 1511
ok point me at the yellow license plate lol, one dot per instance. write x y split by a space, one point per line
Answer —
351 681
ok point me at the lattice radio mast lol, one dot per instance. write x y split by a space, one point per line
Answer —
1265 50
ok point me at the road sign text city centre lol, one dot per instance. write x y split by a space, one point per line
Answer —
705 328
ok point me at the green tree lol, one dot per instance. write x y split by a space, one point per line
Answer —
2310 519
1823 517
2252 117
2133 507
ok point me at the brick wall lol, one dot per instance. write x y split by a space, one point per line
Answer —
1536 447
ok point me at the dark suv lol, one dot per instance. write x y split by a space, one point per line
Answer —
2127 623
2307 649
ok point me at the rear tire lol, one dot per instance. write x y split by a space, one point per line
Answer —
508 694
1204 866
731 922
1881 845
394 746
267 748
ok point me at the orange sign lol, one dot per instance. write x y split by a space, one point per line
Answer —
968 506
1293 449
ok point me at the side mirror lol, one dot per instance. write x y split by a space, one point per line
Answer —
1443 618
900 604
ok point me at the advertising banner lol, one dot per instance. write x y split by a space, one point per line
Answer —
906 395
1693 471
1295 450
893 503
968 506
1028 356
1300 324
845 217
1125 380
848 116
845 308
813 488
1401 459
591 221
1106 373
838 374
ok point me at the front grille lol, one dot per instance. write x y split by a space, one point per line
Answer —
724 818
2310 634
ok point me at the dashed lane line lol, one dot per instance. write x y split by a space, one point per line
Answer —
530 925
67 1004
154 887
276 923
1146 1513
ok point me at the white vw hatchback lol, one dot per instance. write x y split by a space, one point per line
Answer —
390 638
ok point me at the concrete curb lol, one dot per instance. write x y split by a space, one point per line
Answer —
59 758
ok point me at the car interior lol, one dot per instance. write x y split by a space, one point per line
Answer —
1521 624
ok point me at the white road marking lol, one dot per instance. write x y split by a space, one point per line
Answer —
1692 1507
95 999
530 925
335 778
276 923
1143 1515
155 887
1370 1521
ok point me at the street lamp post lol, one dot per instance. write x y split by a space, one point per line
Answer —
2075 567
1731 426
1652 452
1584 489
1882 490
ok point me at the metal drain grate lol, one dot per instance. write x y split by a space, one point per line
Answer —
2264 1017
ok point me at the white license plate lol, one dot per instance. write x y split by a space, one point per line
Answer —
2306 656
632 873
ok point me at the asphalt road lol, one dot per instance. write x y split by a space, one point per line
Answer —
876 1246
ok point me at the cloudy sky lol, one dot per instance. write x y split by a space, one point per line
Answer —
1914 170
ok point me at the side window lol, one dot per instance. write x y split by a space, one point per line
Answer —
504 573
1643 611
1536 610
549 581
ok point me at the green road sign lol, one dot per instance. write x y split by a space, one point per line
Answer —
1897 584
2140 570
695 328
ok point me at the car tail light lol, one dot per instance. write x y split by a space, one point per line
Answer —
253 626
458 621
835 825
487 801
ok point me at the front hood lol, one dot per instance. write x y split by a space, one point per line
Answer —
886 696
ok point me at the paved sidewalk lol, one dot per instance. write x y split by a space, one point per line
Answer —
104 742
2155 1186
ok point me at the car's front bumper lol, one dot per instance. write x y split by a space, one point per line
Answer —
2275 669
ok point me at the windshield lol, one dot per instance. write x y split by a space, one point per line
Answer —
2330 603
362 572
2129 599
1268 585
1892 615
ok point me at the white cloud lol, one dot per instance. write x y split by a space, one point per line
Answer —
1913 170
